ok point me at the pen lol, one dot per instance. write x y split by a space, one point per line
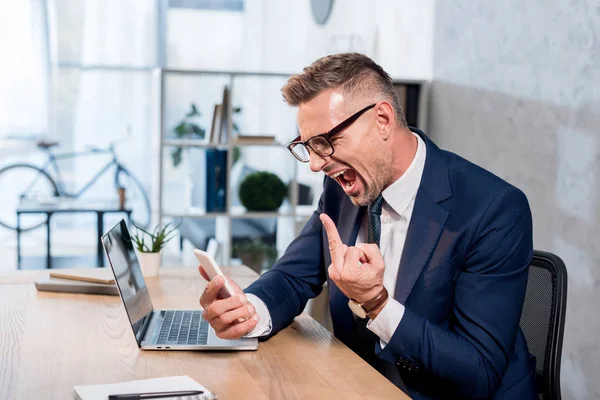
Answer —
154 395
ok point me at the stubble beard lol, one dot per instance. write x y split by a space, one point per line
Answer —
374 189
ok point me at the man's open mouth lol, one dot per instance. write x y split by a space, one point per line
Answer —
346 179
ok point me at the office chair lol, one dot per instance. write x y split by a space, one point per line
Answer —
543 320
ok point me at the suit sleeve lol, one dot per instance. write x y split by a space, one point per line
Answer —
297 276
472 353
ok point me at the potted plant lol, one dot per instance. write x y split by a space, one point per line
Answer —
253 253
262 191
150 244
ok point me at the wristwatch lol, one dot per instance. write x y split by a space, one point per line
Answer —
362 310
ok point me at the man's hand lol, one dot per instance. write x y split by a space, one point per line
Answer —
357 271
232 317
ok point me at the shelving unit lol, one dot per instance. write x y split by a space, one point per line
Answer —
291 216
288 216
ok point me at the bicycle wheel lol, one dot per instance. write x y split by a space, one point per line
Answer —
23 182
136 197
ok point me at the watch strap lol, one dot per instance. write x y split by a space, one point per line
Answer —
375 302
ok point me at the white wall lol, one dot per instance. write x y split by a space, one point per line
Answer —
282 35
517 90
204 39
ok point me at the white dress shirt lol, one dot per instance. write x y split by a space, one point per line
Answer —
399 201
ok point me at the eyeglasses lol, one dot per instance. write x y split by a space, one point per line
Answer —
321 144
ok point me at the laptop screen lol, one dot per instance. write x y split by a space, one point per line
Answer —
128 275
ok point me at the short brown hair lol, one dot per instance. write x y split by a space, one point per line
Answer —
354 73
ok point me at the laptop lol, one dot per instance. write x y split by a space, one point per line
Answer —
158 329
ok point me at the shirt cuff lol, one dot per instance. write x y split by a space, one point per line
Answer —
264 326
386 322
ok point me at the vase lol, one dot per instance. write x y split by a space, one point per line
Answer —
150 263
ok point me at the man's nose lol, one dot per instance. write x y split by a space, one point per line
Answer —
316 162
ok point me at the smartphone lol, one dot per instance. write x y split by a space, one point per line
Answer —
212 270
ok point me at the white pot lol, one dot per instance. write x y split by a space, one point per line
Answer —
150 262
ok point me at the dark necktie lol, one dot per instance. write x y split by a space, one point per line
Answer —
374 233
364 338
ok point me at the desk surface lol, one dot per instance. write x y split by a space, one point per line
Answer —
50 342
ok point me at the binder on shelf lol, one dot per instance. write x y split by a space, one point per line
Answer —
216 180
254 139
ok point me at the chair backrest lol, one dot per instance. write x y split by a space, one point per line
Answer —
543 320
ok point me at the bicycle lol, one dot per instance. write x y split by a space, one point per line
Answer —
41 182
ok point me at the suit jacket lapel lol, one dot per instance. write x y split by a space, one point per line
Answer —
427 221
426 225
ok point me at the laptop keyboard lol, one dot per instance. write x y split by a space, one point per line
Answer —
183 327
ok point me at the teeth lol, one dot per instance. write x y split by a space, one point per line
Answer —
337 174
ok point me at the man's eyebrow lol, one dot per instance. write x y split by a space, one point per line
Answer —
318 131
307 136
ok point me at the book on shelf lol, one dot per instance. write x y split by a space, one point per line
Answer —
225 115
254 139
215 130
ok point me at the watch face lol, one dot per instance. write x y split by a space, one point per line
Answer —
357 309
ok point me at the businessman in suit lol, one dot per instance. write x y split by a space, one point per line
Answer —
426 255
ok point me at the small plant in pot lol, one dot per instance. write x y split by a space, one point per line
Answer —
262 191
254 253
149 246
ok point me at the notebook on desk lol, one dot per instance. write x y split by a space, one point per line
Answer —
167 384
86 274
49 283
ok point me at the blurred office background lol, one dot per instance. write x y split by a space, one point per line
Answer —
513 86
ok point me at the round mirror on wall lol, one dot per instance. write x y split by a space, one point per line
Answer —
321 10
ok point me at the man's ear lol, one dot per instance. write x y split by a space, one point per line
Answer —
384 118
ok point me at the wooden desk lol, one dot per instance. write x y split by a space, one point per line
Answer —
50 342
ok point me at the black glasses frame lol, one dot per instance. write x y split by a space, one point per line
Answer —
327 135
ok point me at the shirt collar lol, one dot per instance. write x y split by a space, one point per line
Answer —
400 193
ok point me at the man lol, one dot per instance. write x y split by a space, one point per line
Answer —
425 254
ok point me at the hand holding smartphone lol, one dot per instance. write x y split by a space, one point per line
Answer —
212 269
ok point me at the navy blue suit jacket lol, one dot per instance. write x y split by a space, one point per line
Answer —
462 279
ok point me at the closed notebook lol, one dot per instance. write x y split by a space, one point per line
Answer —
167 384
49 284
93 275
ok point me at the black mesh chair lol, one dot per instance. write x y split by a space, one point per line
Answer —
543 320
